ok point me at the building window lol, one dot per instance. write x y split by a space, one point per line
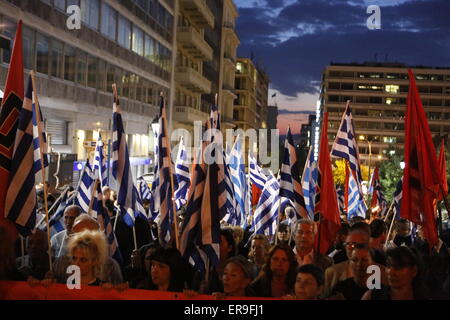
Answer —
81 68
69 63
57 59
239 68
124 35
8 30
392 88
57 130
149 48
101 81
108 21
42 60
138 41
92 72
126 84
28 48
109 77
90 12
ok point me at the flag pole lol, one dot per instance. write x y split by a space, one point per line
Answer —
389 211
389 232
278 216
175 219
134 237
35 98
57 201
91 201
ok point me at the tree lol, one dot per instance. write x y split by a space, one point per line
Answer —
339 172
391 172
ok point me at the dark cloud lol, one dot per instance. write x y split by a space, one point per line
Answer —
297 44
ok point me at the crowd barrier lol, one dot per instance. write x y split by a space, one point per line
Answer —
20 290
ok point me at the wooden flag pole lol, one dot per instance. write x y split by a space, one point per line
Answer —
389 211
22 248
389 232
42 173
175 219
91 201
278 216
134 237
57 201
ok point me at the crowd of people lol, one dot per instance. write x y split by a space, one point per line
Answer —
362 264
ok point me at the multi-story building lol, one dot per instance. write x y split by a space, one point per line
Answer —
250 105
378 93
124 42
272 117
206 45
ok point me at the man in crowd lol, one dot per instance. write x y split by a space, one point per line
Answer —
59 241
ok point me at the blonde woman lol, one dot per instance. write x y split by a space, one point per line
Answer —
88 250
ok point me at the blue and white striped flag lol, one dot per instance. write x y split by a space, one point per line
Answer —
144 191
39 139
183 177
356 204
290 184
309 183
163 189
257 176
100 169
398 195
128 197
341 199
266 213
239 181
20 202
346 147
56 222
231 201
85 189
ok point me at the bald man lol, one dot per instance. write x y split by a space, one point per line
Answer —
59 241
110 271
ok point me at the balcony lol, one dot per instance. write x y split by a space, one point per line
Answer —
192 80
230 31
192 41
228 90
188 114
198 12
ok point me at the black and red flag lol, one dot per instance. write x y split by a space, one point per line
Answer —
9 114
326 197
421 177
443 171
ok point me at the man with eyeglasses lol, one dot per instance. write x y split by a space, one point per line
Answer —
305 237
357 236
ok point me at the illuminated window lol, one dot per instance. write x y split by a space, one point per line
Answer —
391 88
239 67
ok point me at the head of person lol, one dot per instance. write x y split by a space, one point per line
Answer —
378 230
37 244
355 219
88 250
238 234
106 191
356 237
237 275
227 243
166 270
309 282
403 228
283 231
259 248
305 235
341 235
404 270
70 214
145 253
360 260
85 222
280 263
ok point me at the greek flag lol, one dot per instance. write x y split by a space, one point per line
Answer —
144 191
56 222
191 229
356 204
99 163
309 183
341 199
398 195
266 213
231 202
85 188
163 189
345 145
379 204
127 196
20 202
257 176
183 177
39 139
290 184
239 181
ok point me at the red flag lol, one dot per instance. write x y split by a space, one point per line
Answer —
9 115
421 177
443 171
326 202
256 194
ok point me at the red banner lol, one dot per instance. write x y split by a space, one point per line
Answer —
12 290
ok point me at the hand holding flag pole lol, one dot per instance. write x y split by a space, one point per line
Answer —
35 98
